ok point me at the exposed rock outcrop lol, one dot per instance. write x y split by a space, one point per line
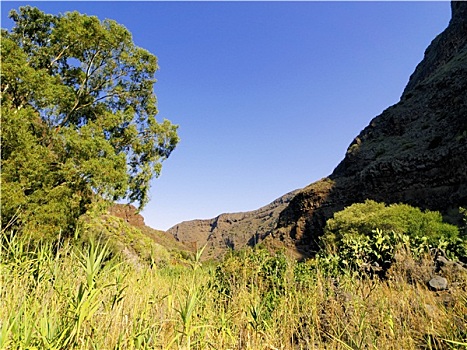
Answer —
128 213
444 47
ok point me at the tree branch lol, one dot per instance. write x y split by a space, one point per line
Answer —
58 57
80 90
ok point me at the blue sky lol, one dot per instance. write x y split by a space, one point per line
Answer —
268 95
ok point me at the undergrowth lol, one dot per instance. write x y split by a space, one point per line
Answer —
68 296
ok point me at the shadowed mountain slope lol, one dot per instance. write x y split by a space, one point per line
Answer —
415 152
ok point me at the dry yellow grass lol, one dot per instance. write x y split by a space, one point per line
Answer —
251 301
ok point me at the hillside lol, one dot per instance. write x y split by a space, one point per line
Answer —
414 152
128 213
231 231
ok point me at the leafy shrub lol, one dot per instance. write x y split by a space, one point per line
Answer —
366 235
305 273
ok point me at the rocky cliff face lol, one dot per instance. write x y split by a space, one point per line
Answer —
444 47
231 231
414 152
128 213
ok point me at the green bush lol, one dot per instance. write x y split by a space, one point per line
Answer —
366 235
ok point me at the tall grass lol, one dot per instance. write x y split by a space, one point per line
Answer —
74 297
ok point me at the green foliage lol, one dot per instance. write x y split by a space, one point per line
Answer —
84 303
365 217
122 239
79 296
463 212
367 235
253 269
78 119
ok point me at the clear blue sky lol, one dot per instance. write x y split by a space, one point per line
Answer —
268 95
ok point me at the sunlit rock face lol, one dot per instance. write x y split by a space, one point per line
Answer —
231 231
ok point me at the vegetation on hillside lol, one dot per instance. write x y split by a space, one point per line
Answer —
76 295
366 236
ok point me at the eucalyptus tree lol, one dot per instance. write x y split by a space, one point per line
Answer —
78 119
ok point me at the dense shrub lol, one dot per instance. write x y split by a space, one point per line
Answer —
366 235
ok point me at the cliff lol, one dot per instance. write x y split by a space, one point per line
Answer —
231 231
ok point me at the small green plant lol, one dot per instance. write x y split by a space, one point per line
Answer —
188 304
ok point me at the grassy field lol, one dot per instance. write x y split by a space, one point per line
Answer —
80 297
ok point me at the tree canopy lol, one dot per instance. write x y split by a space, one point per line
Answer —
78 118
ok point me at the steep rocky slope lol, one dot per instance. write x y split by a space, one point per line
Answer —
414 152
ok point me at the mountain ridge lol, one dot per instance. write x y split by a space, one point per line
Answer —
414 152
231 230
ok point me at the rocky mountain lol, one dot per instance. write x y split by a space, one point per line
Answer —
231 231
414 152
